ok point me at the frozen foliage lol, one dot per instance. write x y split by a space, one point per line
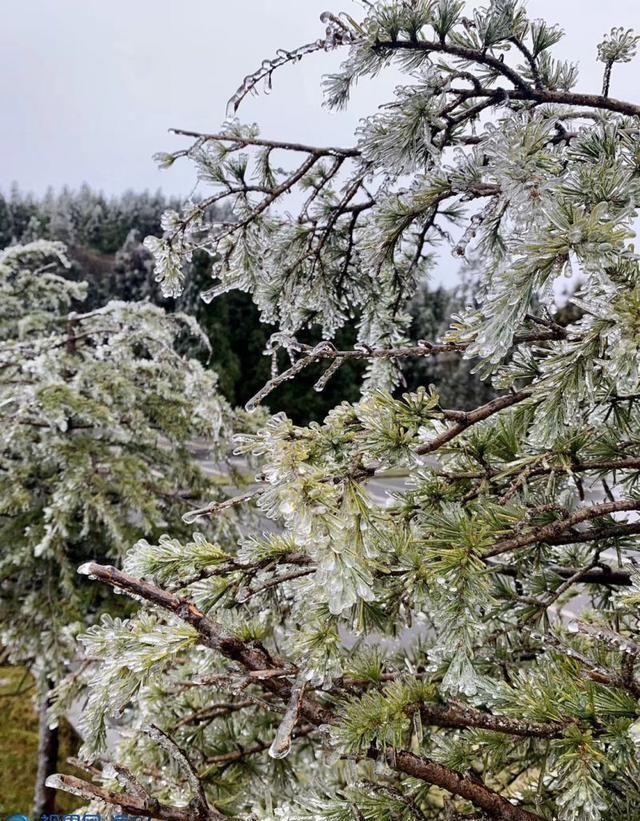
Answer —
97 410
468 647
32 288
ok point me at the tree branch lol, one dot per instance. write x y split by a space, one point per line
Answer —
463 717
467 419
255 749
522 90
255 658
134 805
208 714
495 805
555 531
314 150
603 575
251 656
612 465
199 801
469 54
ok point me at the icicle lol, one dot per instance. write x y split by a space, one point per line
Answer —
350 771
264 391
281 745
192 516
326 376
417 735
109 772
213 293
381 769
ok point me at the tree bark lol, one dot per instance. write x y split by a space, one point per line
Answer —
48 746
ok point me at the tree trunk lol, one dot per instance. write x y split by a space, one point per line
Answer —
48 743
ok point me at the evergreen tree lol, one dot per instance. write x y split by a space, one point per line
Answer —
133 270
469 648
6 226
22 208
97 412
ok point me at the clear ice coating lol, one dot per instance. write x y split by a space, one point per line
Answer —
356 552
281 745
86 568
326 376
193 515
109 771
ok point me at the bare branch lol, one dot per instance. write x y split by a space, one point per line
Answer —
461 716
611 465
255 749
199 799
602 575
594 671
276 581
216 711
265 72
314 150
220 507
326 350
131 804
595 631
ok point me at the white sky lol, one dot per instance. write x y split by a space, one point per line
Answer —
88 88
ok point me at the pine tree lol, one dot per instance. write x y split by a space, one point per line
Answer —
97 412
96 225
469 648
6 226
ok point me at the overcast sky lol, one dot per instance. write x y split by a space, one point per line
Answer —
90 87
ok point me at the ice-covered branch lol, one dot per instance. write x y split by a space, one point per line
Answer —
556 532
132 804
466 420
521 90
